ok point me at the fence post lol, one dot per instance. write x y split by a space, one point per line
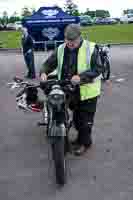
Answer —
55 44
45 45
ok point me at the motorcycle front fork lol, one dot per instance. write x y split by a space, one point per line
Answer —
44 121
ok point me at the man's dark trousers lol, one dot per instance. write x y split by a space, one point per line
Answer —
83 116
29 60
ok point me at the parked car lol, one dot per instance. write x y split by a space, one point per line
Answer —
85 20
1 27
109 20
105 21
4 26
18 25
10 26
99 21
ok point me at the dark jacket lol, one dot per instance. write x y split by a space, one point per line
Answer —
70 64
27 43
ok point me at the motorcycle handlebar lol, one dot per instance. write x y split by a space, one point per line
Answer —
43 84
62 83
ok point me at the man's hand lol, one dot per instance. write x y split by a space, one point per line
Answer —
43 77
76 78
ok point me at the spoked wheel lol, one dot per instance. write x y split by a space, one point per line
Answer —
58 154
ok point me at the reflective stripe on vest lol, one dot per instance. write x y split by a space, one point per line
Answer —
90 90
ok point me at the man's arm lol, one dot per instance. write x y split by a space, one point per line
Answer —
50 64
96 67
21 45
30 41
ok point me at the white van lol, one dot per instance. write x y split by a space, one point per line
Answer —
130 18
126 19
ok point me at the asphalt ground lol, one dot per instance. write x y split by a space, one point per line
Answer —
104 173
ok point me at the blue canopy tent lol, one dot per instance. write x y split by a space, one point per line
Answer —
47 25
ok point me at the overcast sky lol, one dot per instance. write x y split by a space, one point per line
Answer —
114 6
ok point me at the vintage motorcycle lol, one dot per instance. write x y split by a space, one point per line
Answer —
56 115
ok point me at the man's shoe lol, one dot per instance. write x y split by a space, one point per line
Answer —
27 76
82 149
75 145
32 77
68 150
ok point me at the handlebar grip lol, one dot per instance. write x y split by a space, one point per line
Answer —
75 82
43 84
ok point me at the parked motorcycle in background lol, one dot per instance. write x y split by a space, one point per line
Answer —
105 58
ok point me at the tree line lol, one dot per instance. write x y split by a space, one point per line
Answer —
5 19
70 7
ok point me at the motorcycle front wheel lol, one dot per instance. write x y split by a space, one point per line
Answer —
57 139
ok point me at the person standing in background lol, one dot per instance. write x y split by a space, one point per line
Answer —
27 48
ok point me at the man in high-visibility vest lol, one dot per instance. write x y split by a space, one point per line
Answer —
78 59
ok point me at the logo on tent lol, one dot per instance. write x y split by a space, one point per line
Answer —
50 32
50 13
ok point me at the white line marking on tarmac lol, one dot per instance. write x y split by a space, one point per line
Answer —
120 80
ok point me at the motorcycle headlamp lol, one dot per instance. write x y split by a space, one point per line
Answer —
56 96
